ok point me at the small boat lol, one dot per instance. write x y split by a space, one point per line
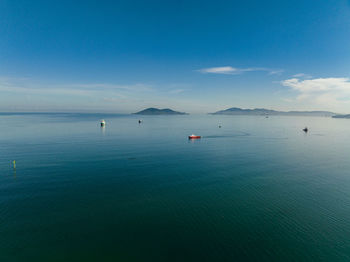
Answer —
103 122
305 129
194 137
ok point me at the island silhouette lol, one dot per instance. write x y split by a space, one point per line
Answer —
157 111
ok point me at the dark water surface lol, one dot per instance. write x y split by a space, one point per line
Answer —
256 189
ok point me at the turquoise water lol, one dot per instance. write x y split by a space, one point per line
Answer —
257 189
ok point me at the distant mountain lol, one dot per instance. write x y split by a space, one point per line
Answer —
309 113
263 111
156 111
341 116
240 111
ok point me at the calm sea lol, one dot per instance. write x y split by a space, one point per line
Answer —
257 189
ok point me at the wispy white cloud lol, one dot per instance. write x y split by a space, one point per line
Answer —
177 91
326 92
274 71
229 70
302 75
106 86
28 94
115 98
219 70
25 86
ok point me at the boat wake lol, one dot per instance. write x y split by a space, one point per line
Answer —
228 136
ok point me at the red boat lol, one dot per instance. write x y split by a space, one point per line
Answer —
193 137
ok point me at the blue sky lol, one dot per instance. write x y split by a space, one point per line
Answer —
194 56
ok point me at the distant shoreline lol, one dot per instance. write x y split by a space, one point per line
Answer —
269 112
